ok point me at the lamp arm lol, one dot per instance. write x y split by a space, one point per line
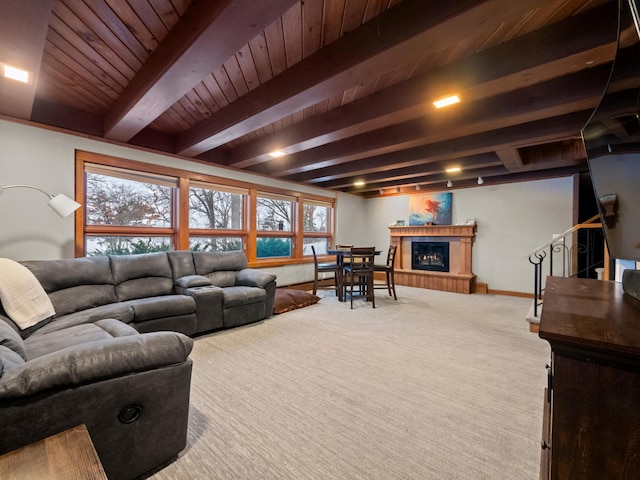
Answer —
5 187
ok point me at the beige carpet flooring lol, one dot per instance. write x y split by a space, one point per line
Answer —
433 386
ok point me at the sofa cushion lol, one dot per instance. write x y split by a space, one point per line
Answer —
75 284
237 296
207 262
12 340
77 335
81 297
119 311
159 307
141 276
9 360
181 263
95 361
222 279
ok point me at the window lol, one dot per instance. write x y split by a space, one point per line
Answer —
215 206
128 212
218 208
134 207
125 245
274 213
215 244
315 221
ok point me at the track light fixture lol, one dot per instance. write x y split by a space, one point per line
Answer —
480 180
418 187
449 184
397 189
381 191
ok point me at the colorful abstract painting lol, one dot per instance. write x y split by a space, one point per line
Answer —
433 208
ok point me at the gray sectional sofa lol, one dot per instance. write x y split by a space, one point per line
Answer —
115 356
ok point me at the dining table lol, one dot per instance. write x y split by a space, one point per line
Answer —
340 253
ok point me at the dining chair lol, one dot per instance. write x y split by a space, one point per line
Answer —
388 270
344 258
319 268
358 273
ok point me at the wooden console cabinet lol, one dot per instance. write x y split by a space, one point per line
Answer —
592 403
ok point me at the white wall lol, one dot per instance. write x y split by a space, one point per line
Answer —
30 230
512 220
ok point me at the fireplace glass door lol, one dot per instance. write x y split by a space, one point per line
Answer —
432 256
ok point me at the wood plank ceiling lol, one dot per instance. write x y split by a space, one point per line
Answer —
342 87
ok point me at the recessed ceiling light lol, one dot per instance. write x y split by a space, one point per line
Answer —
277 153
453 169
359 183
15 73
446 101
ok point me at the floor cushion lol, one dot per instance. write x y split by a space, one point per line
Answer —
288 299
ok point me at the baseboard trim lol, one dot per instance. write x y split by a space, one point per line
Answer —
480 288
510 293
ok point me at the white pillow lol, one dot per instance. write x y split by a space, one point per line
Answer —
22 296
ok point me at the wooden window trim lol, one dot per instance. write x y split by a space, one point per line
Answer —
181 232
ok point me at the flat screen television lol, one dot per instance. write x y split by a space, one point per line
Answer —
612 142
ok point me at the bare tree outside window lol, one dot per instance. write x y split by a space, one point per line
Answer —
315 218
215 209
274 214
117 201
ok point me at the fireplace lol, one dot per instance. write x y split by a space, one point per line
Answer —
431 256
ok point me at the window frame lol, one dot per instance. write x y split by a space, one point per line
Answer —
180 231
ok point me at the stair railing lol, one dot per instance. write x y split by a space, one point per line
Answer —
567 247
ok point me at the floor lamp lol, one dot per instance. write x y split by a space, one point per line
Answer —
63 205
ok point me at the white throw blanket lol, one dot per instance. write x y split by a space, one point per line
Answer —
22 296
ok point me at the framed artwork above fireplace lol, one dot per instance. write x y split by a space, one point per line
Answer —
430 209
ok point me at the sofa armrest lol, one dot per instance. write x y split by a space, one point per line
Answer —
251 277
190 281
96 361
209 304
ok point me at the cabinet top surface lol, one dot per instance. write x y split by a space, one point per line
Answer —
588 313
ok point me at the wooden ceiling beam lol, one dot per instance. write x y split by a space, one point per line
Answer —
65 117
428 168
555 155
539 131
409 30
560 49
568 151
439 178
510 158
556 97
23 33
491 177
203 39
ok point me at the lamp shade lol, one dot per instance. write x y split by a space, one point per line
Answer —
63 205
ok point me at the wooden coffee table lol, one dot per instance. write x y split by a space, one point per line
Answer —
66 455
